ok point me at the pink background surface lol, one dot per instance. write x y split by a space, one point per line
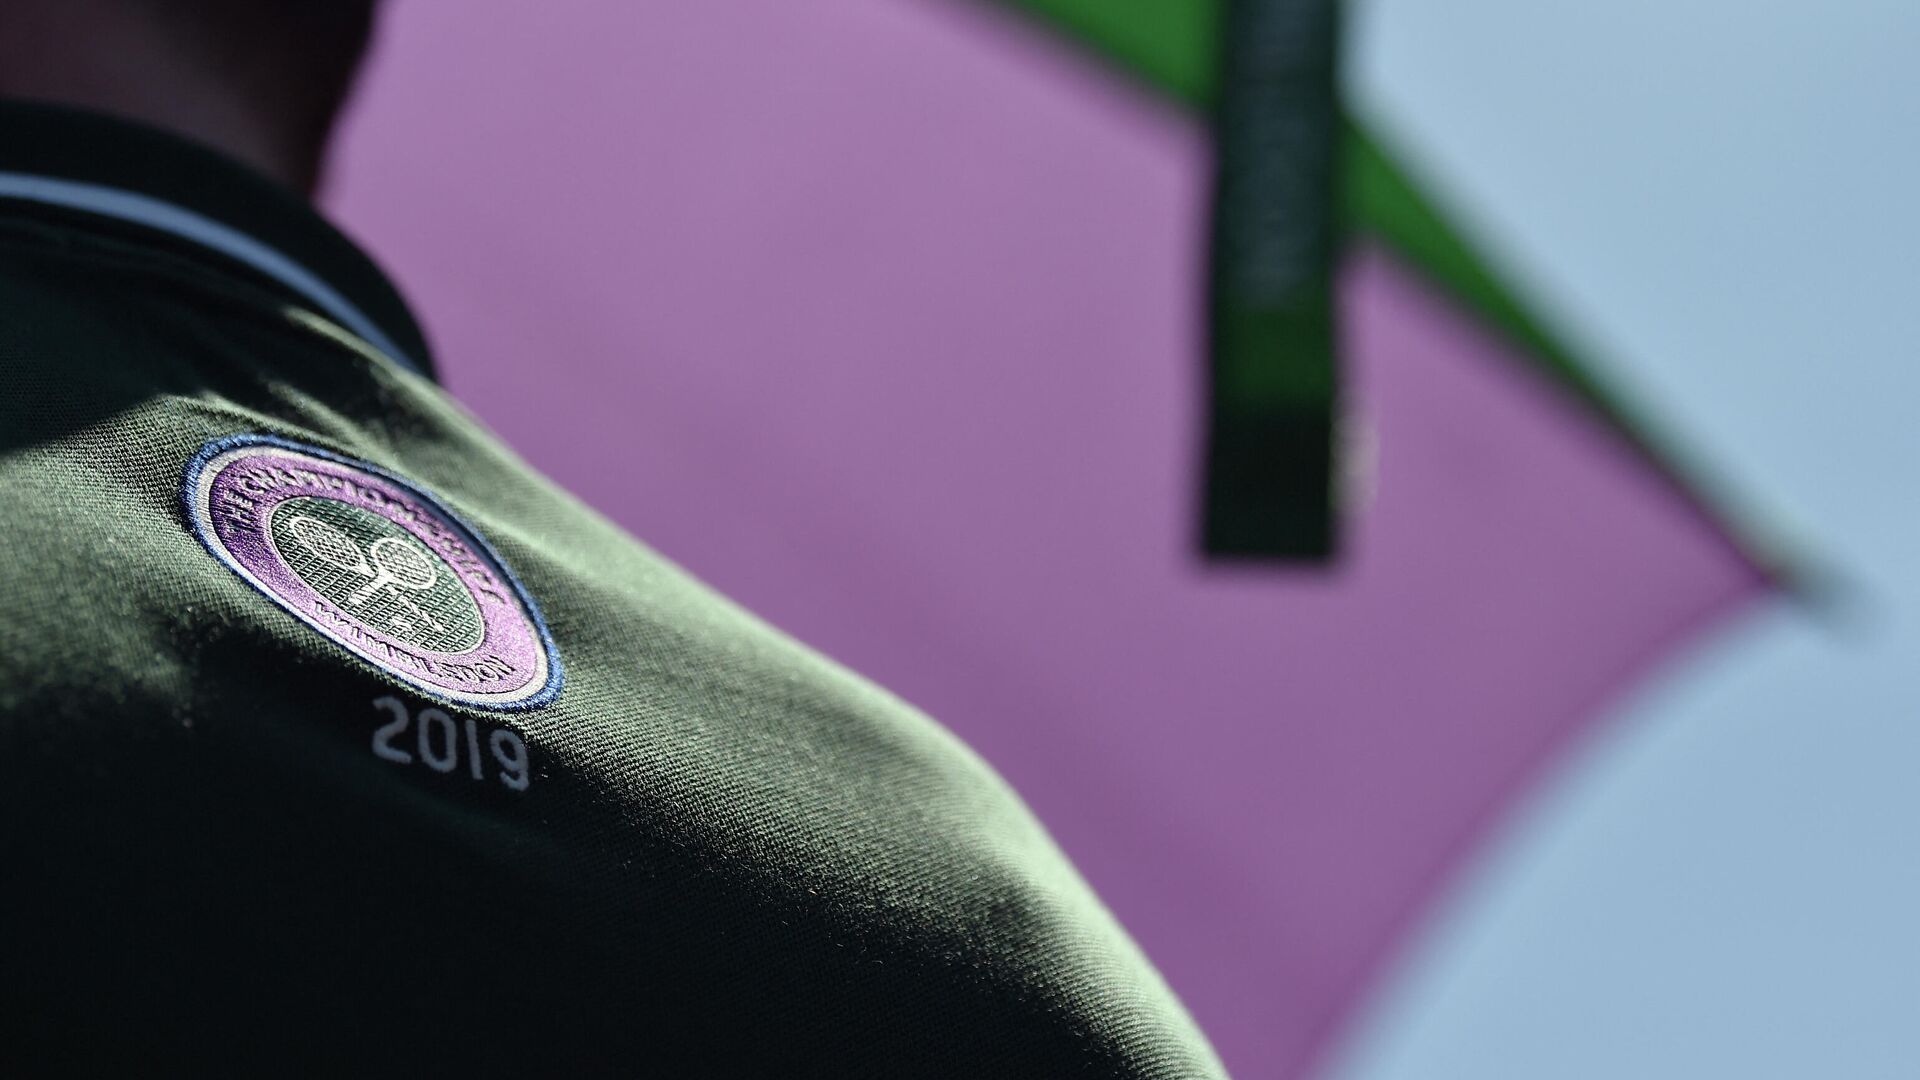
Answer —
890 313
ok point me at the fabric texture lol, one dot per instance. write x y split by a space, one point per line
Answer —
725 855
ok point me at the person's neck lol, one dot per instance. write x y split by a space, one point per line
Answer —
109 58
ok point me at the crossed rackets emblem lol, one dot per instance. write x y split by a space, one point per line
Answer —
389 563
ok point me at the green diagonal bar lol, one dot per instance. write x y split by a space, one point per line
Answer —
1171 47
1383 202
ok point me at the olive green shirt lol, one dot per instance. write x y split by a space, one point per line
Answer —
243 830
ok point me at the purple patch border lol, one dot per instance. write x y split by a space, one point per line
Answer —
199 519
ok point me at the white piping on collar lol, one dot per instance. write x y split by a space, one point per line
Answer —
208 233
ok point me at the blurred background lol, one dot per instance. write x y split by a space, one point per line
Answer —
1586 753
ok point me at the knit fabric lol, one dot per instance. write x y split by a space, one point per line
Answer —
233 845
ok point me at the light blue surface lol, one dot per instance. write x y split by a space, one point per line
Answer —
1718 199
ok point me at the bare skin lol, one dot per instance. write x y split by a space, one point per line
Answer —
255 96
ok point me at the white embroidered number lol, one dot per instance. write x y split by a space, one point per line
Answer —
438 744
432 720
510 750
384 735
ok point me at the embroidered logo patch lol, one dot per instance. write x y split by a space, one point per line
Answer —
375 563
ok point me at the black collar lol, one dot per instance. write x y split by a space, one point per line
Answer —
87 162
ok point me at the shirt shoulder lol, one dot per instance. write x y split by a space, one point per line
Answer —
708 847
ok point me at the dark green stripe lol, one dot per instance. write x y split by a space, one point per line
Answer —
1268 490
1170 46
1268 487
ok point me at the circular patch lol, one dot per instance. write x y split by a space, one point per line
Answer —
376 564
